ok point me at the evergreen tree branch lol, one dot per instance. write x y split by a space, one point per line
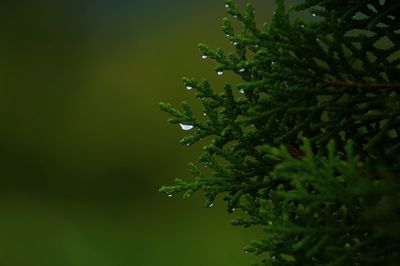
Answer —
312 162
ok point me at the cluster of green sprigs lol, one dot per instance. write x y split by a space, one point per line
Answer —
344 69
326 210
332 79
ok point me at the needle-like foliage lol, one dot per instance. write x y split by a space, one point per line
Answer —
307 144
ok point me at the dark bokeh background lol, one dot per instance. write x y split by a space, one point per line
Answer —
83 144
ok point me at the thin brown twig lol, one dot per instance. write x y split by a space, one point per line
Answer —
352 83
294 150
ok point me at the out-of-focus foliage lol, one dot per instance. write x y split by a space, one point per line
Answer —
83 147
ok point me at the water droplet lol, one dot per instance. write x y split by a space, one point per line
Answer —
170 195
235 43
186 126
203 56
210 205
273 257
302 25
204 114
246 251
313 14
235 16
226 6
272 63
189 87
233 209
241 70
241 90
227 35
219 73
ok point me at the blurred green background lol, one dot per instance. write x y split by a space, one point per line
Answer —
84 146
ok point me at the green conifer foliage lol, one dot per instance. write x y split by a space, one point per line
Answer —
307 144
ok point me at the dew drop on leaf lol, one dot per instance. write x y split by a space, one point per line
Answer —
186 126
